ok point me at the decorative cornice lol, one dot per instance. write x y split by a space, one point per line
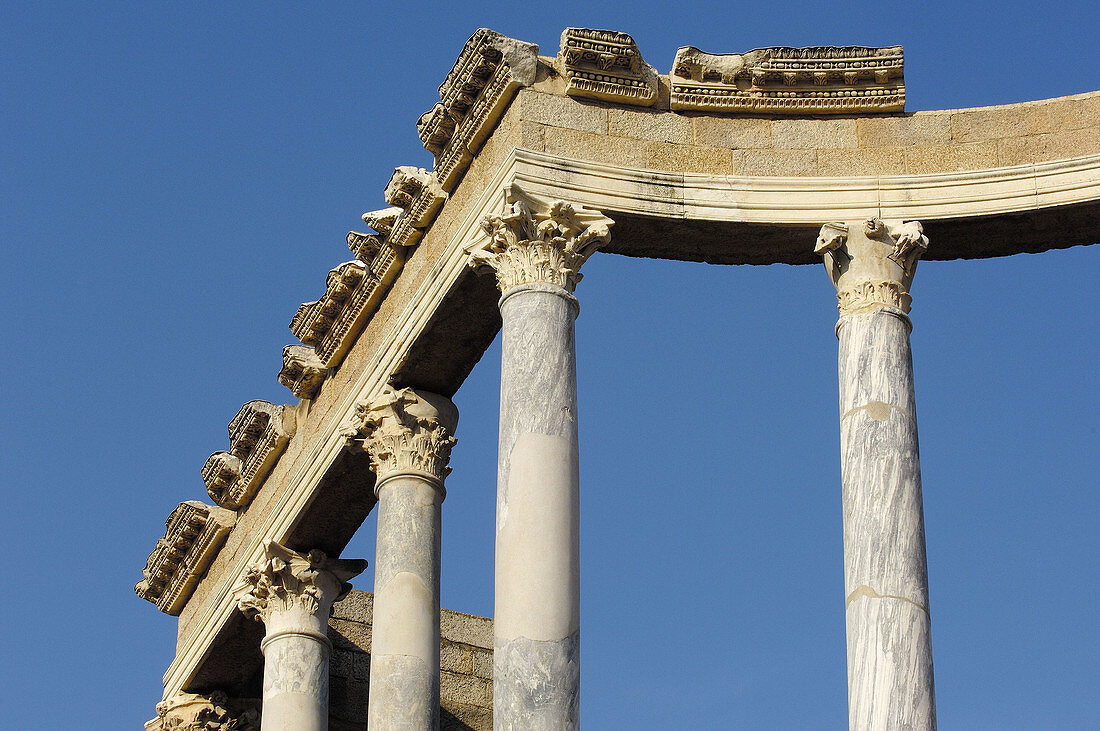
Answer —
783 80
606 65
194 712
406 431
872 263
475 93
194 533
352 293
286 580
303 372
538 242
258 434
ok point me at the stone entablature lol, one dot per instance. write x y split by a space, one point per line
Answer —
302 372
607 65
194 534
476 91
258 434
782 80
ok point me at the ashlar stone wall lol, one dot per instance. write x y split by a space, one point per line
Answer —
466 667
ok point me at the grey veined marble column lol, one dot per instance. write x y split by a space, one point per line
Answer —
536 249
890 684
408 435
292 594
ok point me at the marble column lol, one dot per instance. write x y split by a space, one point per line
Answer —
293 594
890 682
408 435
535 249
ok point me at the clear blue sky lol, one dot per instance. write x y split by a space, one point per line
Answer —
177 178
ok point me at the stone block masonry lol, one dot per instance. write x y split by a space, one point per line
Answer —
466 667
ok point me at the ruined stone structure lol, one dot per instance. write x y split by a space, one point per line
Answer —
771 155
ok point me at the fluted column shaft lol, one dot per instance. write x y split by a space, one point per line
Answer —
535 250
890 679
292 594
408 435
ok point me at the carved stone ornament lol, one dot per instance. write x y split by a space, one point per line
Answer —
416 192
871 264
303 372
406 431
258 435
287 580
538 242
352 293
488 72
783 80
193 535
194 712
607 65
367 247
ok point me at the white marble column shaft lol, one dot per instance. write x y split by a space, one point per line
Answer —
292 594
404 672
535 249
408 435
536 664
890 680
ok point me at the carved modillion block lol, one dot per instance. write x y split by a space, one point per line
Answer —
303 372
258 435
404 430
488 72
194 533
606 65
538 242
872 263
783 80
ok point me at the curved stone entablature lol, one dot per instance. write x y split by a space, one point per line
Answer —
258 434
193 534
783 80
607 65
476 91
302 372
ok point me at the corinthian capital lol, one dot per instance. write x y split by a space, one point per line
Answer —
193 712
539 242
406 431
872 263
287 581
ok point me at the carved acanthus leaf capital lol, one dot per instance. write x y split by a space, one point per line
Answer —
539 242
406 431
287 580
872 263
195 712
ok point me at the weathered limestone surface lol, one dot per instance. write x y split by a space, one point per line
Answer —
890 680
606 65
